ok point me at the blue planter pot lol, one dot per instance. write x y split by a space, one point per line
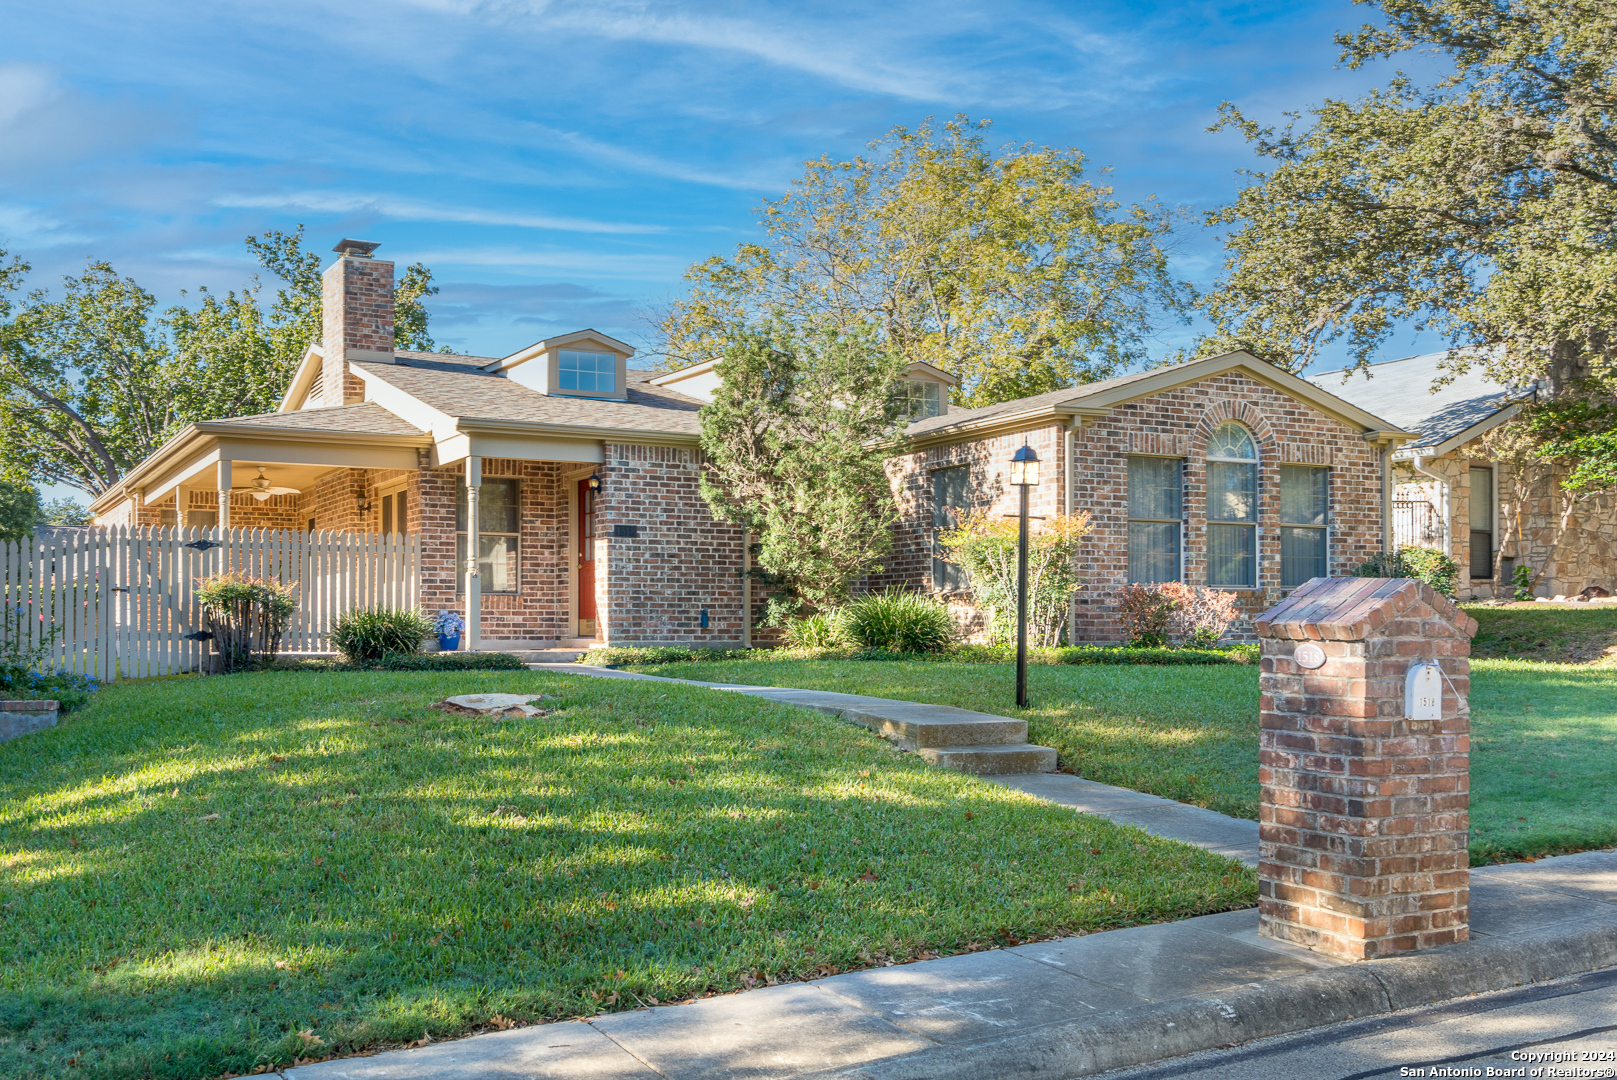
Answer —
448 642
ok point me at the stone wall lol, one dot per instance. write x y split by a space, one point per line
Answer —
653 587
1173 423
1524 530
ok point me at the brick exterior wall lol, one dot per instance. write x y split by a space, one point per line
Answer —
652 588
1173 423
356 312
540 609
1364 815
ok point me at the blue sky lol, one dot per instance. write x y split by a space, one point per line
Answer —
559 165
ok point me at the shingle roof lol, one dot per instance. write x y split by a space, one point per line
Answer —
1036 403
456 387
1401 391
366 419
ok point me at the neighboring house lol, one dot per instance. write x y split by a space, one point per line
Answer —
581 475
1453 496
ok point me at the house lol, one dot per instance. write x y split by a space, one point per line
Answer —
1452 495
574 478
1225 472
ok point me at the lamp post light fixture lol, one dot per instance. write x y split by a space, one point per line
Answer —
1025 475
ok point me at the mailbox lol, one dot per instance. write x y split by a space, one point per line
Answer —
1423 692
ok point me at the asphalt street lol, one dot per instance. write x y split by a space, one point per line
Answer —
1566 1028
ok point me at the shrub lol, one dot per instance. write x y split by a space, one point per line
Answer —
625 655
1146 612
900 621
1200 615
1427 564
247 617
20 677
368 634
449 661
986 547
823 630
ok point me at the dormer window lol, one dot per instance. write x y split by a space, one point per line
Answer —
924 398
590 372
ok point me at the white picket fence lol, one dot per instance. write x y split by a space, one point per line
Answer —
121 601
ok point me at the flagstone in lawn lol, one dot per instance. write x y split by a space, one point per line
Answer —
203 876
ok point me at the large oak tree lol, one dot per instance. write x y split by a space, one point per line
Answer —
1479 202
1006 267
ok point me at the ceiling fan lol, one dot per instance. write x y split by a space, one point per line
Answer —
261 489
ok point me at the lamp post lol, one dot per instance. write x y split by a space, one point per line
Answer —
1025 475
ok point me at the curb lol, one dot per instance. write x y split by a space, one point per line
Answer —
1284 1006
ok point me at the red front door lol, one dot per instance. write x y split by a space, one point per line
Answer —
586 559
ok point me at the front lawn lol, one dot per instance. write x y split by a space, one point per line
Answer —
207 876
1543 746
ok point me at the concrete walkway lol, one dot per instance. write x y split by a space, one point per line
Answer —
1054 1009
1008 1012
899 721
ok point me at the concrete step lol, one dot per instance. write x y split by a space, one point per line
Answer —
994 760
918 730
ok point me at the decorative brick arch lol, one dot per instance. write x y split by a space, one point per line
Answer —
1242 413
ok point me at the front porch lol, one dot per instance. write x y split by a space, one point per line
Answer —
571 555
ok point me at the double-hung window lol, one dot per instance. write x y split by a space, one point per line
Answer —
1304 523
1155 519
498 524
1232 508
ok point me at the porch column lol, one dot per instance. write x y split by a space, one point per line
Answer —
181 498
224 494
474 579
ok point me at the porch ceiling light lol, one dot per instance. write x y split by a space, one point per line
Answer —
261 488
1025 468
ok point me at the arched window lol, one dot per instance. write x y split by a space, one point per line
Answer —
1232 508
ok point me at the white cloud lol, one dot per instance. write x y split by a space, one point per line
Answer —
591 264
332 202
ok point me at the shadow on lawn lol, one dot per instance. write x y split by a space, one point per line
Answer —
377 869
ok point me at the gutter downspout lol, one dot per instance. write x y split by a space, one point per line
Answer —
1419 464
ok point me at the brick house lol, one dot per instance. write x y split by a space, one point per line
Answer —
583 474
1225 471
1451 494
575 477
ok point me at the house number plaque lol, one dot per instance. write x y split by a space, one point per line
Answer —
1309 655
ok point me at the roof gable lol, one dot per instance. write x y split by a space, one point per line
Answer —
1401 390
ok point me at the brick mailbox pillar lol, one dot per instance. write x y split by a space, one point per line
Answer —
1364 762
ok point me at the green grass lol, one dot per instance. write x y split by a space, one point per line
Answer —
1187 733
1543 743
1543 759
1553 633
194 871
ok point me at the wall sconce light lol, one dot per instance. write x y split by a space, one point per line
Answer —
594 482
364 504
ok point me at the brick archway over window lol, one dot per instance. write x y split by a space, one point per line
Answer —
1242 413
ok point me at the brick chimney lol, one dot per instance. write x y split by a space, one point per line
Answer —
356 300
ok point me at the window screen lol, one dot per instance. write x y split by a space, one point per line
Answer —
499 534
951 501
1304 524
1232 509
1155 518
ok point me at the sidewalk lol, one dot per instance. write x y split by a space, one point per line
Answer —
1055 1009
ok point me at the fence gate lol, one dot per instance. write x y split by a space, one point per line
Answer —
120 603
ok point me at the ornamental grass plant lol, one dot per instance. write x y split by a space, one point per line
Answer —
366 635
